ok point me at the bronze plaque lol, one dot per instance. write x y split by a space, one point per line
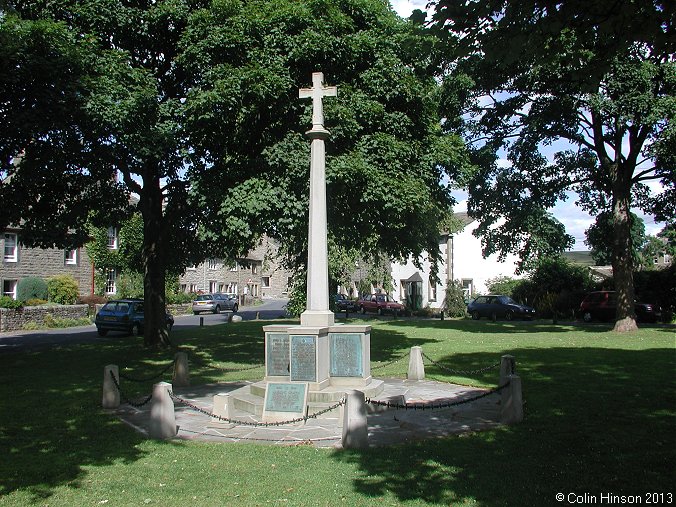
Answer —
285 397
346 355
303 358
277 360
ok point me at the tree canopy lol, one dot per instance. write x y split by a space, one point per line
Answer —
193 107
592 82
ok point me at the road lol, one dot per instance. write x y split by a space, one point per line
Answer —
24 340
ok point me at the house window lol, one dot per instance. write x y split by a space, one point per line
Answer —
193 287
433 290
112 238
212 264
213 286
11 247
467 288
9 288
71 257
234 268
110 281
254 269
265 281
402 292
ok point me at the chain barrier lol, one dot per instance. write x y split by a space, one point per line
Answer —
254 423
460 372
434 406
396 360
126 399
152 377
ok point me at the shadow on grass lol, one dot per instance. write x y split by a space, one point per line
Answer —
597 420
52 424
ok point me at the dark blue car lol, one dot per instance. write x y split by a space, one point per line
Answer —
499 307
125 315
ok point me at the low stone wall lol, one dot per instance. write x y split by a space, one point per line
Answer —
15 320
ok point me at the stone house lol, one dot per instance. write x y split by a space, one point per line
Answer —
258 275
21 262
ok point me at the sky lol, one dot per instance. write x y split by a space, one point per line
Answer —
575 220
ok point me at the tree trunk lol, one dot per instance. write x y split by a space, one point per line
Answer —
623 269
155 326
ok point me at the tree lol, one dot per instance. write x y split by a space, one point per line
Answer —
600 239
596 77
388 162
194 105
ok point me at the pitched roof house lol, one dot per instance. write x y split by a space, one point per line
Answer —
462 260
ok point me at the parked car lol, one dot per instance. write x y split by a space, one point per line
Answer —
494 306
124 315
345 304
214 303
379 303
602 305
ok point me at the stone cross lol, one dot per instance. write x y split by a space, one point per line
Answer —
317 313
317 92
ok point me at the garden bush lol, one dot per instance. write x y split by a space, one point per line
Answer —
177 298
8 302
36 302
454 300
63 289
31 287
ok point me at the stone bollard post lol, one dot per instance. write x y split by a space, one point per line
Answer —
507 368
223 408
512 401
162 416
355 427
181 371
416 368
111 394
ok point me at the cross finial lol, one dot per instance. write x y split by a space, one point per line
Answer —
317 92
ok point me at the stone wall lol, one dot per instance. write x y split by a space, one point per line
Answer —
15 320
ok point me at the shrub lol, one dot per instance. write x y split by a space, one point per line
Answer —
502 285
454 300
36 302
8 302
177 298
63 289
31 287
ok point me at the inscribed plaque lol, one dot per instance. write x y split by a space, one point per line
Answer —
277 360
303 358
346 355
285 397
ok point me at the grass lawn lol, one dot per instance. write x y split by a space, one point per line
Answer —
600 418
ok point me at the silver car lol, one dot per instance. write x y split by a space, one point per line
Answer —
215 303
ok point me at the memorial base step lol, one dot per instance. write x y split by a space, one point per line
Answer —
251 398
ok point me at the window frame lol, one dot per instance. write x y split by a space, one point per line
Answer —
14 257
68 260
11 293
